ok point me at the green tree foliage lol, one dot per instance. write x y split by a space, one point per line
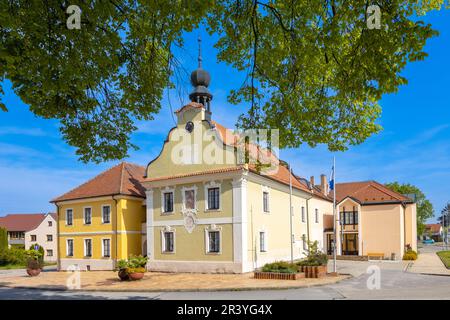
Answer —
425 209
3 239
314 69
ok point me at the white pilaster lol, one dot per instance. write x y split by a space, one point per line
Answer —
240 225
150 237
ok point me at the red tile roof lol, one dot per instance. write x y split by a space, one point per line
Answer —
367 192
122 179
433 227
22 222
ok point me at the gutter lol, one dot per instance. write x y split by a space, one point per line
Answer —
58 260
117 232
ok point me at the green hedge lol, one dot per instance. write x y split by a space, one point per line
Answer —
410 255
3 239
281 267
13 256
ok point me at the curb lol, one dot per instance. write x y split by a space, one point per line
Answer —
63 289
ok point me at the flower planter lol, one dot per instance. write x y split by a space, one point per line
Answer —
278 275
315 271
136 276
123 275
33 272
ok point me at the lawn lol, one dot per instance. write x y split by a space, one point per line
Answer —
21 266
445 257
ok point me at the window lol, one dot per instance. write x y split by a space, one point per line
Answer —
87 215
106 248
106 214
262 242
168 241
266 201
49 238
50 223
69 247
349 217
213 198
305 242
69 217
214 241
189 199
168 202
49 253
88 247
303 214
316 215
33 237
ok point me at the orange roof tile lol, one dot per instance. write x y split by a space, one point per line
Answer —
367 192
122 179
22 221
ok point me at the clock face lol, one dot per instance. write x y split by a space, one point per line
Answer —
189 126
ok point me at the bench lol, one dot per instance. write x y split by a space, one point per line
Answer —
378 255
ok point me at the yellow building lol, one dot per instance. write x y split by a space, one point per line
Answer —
373 221
101 221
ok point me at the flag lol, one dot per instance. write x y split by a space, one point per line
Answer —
331 182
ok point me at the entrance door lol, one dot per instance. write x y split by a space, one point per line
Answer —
350 245
330 240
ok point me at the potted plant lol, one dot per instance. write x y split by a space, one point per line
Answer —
34 263
136 267
133 268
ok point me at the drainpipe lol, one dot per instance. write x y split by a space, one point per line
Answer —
58 261
117 232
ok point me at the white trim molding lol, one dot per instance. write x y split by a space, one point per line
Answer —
67 247
209 185
213 228
265 189
149 214
84 246
240 228
167 189
69 225
167 229
183 197
103 248
84 215
102 213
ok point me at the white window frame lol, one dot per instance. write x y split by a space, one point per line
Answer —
46 236
46 251
110 215
163 240
303 214
265 189
31 237
84 216
305 242
183 190
92 248
103 248
67 247
69 225
50 223
210 185
316 215
209 229
265 249
167 190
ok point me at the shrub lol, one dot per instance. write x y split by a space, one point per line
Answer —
13 256
315 257
3 239
133 264
410 255
281 267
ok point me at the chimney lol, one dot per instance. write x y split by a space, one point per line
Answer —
324 184
311 180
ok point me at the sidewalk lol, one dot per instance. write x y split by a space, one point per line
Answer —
160 282
428 262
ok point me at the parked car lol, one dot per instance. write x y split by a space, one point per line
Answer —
428 241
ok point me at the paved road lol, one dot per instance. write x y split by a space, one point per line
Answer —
395 282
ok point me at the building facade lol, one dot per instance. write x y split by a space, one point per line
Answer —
27 230
100 222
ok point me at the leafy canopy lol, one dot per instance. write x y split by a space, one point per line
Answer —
425 208
314 69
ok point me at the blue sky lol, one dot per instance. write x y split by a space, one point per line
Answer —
414 147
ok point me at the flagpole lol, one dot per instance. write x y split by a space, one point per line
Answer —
334 215
290 211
